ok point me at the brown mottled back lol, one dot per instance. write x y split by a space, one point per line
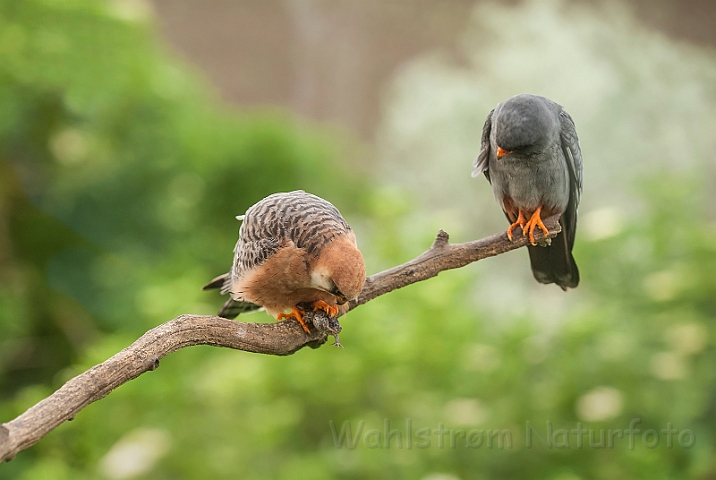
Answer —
294 218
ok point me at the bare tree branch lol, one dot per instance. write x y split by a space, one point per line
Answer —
281 338
442 256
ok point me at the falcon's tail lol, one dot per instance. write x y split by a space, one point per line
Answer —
232 308
555 263
217 282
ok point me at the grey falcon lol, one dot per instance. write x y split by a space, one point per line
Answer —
531 156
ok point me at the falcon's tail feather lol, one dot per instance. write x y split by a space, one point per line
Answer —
232 308
554 263
218 282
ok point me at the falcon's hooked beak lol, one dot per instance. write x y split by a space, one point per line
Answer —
340 298
501 152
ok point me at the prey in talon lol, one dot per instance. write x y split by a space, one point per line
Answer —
326 321
295 254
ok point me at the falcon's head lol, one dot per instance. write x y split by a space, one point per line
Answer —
339 269
523 124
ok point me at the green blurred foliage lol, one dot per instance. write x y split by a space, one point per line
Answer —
119 180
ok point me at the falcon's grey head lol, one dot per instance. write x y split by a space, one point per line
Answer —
524 124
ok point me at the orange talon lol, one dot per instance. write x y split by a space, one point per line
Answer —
519 222
535 221
331 310
297 314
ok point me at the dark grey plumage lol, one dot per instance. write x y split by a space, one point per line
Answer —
540 167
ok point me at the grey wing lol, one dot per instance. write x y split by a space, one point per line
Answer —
481 162
573 156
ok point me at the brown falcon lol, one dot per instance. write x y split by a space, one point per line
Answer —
295 251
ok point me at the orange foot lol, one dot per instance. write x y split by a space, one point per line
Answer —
534 222
520 222
296 313
331 310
